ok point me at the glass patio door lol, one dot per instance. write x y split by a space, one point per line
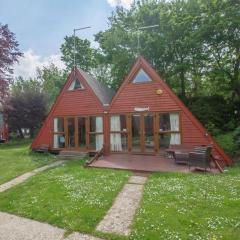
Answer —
143 133
71 132
76 132
81 132
148 133
136 133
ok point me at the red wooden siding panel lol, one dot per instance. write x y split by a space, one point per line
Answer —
143 95
78 102
191 134
45 136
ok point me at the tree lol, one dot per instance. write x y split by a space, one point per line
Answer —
9 54
52 80
117 46
84 53
170 47
220 35
27 107
196 46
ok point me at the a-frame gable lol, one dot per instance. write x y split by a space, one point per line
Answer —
137 66
130 94
142 94
76 75
69 103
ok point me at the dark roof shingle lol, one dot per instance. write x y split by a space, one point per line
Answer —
104 93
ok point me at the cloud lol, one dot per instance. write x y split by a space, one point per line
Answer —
125 3
30 61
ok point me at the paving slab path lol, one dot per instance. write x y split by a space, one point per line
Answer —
18 228
27 175
120 216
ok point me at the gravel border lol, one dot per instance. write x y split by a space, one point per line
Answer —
120 216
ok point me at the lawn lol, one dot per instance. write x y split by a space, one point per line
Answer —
190 206
174 205
16 159
69 196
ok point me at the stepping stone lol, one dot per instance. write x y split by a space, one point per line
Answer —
137 180
121 214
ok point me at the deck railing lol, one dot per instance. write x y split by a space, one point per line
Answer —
96 156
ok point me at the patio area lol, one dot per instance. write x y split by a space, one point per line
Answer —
137 162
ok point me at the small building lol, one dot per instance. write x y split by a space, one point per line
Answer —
3 129
143 117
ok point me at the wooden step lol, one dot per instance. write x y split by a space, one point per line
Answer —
72 154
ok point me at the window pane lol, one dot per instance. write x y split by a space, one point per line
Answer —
81 132
96 124
71 132
58 141
136 143
58 124
169 139
164 141
96 141
148 129
75 85
164 123
118 123
169 122
175 139
141 76
118 142
174 121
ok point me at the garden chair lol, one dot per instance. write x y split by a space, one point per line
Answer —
200 157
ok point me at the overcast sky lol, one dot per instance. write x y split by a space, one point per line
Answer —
41 25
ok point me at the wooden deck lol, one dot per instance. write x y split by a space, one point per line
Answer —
145 163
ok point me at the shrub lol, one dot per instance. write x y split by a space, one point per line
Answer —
236 138
227 142
214 112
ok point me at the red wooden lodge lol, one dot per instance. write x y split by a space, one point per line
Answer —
143 117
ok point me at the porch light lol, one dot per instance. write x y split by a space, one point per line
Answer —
159 91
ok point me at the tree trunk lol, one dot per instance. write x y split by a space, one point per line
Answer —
31 133
182 79
237 91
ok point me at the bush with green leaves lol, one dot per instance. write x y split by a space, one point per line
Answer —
236 138
214 112
226 141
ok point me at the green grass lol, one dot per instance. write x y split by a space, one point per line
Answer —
190 206
69 196
174 205
16 159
